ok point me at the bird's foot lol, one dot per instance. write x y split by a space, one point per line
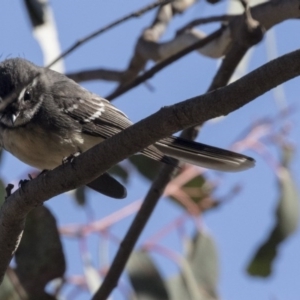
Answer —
22 182
8 190
70 158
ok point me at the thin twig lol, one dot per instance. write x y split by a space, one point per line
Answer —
249 35
134 232
147 75
206 20
103 74
113 24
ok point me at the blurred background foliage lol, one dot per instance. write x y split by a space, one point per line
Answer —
39 268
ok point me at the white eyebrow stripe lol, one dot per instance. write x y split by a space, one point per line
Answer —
21 95
33 83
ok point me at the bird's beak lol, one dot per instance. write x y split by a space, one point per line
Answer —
13 118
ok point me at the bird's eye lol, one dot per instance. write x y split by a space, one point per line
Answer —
27 95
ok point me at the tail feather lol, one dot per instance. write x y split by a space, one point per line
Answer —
204 155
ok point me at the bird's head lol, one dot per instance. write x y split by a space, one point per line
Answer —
20 82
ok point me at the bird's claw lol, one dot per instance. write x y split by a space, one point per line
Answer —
8 190
22 182
70 158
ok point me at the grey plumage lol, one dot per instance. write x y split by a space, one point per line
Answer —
51 117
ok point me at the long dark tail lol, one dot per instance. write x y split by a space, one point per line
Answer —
188 151
204 155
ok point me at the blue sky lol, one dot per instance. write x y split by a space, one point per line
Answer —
239 226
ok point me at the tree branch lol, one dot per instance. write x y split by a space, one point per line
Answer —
189 113
252 34
166 121
107 27
96 74
147 75
267 14
201 21
132 235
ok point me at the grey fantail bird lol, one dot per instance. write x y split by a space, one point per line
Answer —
46 117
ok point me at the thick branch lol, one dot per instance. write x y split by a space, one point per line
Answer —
166 121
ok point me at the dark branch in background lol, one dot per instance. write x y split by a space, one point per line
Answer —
135 230
104 74
268 14
202 21
106 28
147 45
250 35
92 163
158 67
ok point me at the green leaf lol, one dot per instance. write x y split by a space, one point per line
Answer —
199 271
145 166
80 195
287 218
93 279
145 278
10 288
121 172
45 32
203 258
36 11
177 288
196 189
39 257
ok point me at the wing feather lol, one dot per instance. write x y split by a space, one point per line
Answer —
97 116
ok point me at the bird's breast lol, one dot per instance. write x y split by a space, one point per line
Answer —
43 149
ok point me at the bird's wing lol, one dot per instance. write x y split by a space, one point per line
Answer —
96 115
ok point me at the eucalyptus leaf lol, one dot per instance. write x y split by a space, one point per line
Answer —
145 166
36 11
145 278
196 189
45 32
121 172
286 220
11 288
198 271
80 195
40 257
